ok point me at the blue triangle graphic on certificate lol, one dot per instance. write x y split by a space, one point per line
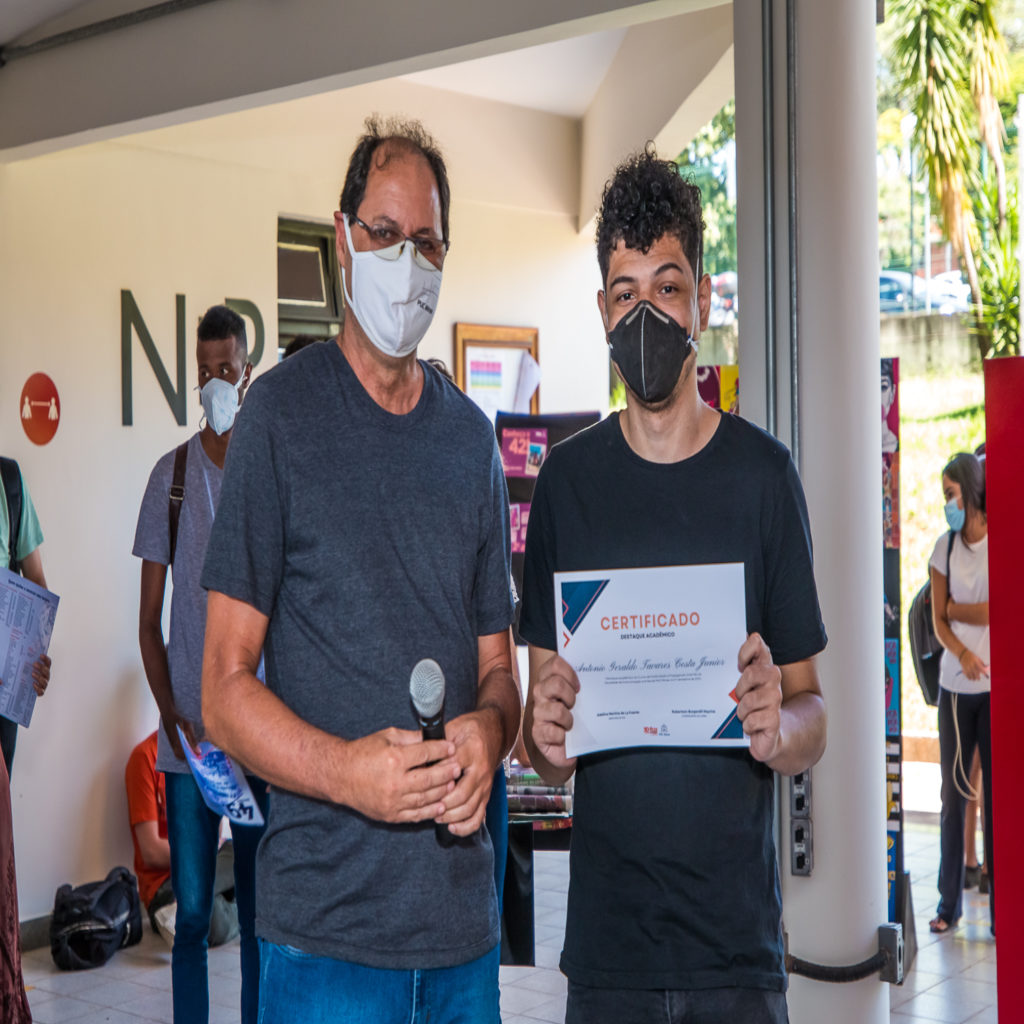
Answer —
730 729
578 598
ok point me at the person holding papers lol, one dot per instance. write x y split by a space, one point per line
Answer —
174 527
20 538
674 900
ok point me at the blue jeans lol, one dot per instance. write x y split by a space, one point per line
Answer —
586 1005
298 988
975 727
193 831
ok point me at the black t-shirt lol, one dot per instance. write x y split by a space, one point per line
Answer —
673 880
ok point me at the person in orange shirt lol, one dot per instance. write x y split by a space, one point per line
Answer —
147 814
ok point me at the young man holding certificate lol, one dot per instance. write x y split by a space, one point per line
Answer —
673 622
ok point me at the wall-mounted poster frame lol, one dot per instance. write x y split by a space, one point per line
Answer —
486 357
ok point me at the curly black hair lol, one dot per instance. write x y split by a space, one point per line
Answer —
645 199
403 137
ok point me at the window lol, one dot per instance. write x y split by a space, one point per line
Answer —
309 299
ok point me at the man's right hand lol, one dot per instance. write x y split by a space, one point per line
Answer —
553 698
172 718
396 776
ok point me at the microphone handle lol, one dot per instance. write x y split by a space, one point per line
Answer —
433 729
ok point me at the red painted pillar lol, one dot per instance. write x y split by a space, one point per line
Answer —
1004 485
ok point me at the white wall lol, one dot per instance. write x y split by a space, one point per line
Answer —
194 210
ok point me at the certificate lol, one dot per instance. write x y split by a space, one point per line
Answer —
655 651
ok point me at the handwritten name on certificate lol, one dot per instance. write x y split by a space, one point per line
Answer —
655 651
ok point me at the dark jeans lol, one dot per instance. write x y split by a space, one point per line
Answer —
975 727
588 1005
193 831
496 821
8 739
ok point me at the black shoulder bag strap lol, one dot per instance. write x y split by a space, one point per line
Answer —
176 495
949 566
12 488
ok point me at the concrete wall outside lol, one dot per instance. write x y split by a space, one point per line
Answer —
928 343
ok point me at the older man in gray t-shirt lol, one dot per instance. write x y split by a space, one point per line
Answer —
364 526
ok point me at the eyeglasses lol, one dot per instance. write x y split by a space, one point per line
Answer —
389 244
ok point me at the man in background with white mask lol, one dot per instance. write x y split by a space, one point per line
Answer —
363 527
174 530
674 907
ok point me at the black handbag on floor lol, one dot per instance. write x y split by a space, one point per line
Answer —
91 922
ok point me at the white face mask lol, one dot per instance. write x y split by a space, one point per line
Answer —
392 298
220 403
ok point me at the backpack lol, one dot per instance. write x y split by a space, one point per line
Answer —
91 922
176 496
11 477
925 649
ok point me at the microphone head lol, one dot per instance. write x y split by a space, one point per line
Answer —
426 688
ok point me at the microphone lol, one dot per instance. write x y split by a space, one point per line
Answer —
426 690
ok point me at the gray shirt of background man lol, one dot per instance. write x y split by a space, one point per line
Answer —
370 540
188 599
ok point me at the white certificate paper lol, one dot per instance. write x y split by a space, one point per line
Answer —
655 651
27 612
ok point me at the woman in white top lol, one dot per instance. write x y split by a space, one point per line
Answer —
959 571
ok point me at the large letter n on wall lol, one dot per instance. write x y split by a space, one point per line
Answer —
132 318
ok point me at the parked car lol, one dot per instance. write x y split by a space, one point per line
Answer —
950 293
900 292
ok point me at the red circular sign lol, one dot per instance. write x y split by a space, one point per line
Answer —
39 408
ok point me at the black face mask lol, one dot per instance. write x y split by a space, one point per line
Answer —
649 348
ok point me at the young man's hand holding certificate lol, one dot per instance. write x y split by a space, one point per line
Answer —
655 651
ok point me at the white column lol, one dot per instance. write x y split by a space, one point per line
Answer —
831 917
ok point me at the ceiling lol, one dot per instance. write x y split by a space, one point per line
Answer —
559 78
20 16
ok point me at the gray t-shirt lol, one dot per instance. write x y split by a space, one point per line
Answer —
188 599
370 541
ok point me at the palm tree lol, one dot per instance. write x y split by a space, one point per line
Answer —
931 61
990 76
951 64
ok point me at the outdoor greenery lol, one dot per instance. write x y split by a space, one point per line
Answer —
707 161
998 326
948 82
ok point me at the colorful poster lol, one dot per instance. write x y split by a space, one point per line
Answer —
891 619
519 518
501 379
719 387
523 451
709 385
892 689
891 499
890 406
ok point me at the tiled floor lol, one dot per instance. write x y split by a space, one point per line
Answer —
953 978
